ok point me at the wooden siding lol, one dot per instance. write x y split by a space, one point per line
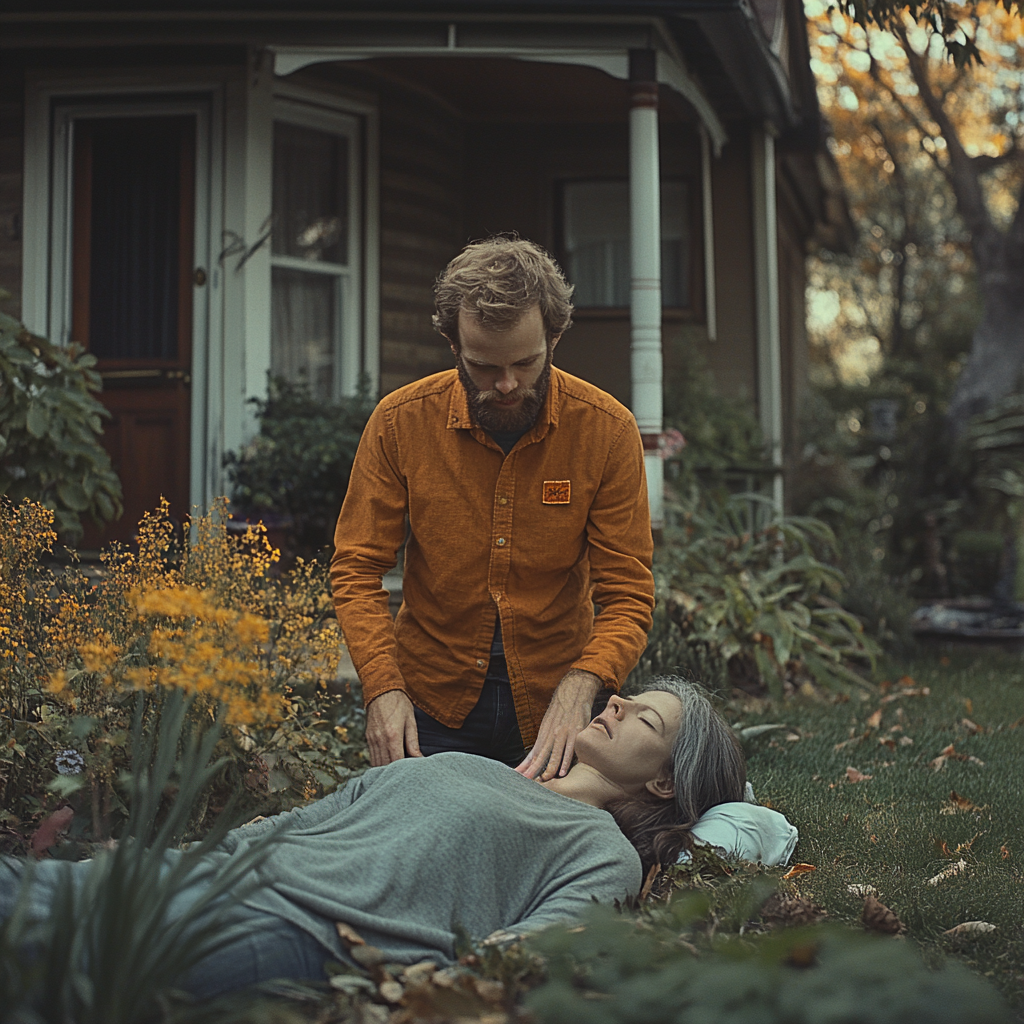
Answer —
421 158
11 162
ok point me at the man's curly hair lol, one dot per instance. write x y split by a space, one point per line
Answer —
496 281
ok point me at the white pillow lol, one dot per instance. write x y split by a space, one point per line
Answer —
744 830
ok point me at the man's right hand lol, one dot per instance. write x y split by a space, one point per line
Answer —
391 728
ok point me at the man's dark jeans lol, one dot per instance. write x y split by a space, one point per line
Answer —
490 729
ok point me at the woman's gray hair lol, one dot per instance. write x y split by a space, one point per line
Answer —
707 763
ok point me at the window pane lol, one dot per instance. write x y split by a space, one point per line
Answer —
596 232
135 227
310 194
302 337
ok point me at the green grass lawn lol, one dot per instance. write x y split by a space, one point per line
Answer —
902 827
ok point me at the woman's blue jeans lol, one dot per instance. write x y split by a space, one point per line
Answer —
263 947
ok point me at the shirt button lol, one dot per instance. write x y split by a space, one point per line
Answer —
501 542
479 662
503 501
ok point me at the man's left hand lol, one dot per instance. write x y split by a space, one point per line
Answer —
567 714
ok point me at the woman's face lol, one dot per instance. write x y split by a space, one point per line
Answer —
630 742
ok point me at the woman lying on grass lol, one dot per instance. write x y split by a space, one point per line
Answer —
414 853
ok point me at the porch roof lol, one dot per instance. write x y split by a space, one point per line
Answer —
713 52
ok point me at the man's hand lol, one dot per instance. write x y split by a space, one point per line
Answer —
567 714
391 728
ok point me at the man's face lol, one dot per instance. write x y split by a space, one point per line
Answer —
505 373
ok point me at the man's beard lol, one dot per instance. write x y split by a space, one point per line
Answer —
506 421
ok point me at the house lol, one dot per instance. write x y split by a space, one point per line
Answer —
202 191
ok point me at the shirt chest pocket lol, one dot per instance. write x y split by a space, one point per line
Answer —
550 524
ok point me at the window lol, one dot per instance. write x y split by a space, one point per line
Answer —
595 230
314 338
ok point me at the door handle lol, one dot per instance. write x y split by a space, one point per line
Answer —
199 277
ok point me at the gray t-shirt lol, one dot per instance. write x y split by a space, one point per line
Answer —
410 854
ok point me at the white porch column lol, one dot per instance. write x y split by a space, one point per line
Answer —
645 270
766 287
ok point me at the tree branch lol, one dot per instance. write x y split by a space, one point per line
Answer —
960 172
908 113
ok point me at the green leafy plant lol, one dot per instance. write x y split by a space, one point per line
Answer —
749 596
723 441
299 463
50 423
106 953
610 971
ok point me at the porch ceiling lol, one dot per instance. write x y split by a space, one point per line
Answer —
497 90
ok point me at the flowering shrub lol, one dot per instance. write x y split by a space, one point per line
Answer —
209 618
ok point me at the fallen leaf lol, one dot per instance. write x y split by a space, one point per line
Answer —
391 991
946 873
781 910
969 705
799 869
873 839
489 991
906 741
886 741
348 934
922 691
943 848
879 918
352 984
906 681
975 760
972 727
874 720
367 956
1005 851
961 803
937 763
896 728
805 955
50 830
966 847
861 889
971 928
418 973
853 775
792 737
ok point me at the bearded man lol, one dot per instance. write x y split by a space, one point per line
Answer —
526 501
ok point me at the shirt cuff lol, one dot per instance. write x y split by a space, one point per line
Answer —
600 669
380 675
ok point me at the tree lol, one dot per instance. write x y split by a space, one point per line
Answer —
968 121
943 17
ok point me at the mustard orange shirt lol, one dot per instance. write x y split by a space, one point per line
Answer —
538 536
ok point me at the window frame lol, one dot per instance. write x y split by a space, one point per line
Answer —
694 309
348 279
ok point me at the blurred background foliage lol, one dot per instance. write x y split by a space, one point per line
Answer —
925 504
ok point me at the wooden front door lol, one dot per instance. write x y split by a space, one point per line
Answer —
132 280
